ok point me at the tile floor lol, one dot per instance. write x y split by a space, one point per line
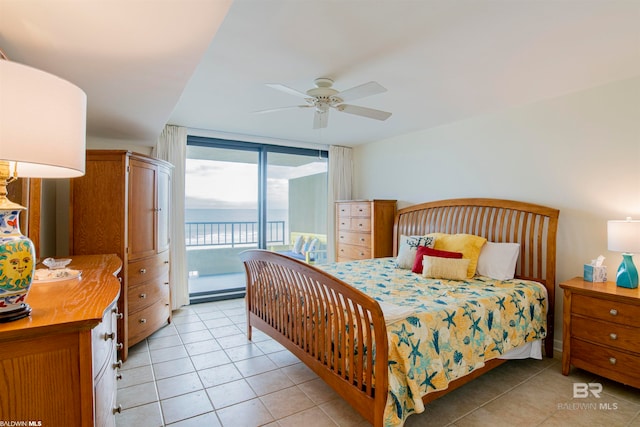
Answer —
202 371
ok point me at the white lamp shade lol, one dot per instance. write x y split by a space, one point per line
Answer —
42 122
624 236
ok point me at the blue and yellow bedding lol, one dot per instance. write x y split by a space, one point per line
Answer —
455 326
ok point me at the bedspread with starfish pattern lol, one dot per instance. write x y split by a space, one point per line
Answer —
455 327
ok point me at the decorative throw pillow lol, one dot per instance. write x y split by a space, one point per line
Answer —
425 250
311 245
445 268
468 244
297 246
409 247
498 260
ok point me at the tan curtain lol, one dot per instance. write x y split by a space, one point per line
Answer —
340 187
172 147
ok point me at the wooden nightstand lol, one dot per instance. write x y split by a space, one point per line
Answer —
601 330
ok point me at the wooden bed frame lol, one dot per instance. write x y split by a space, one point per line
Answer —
307 310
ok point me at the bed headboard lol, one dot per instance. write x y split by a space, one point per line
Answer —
533 226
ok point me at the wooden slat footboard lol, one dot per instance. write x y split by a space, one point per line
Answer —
336 330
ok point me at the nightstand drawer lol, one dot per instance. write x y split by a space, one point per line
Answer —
607 310
610 363
606 333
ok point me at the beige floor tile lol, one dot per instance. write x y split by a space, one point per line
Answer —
283 358
218 322
165 331
219 375
195 336
342 413
230 393
167 353
137 395
185 406
172 368
148 415
318 391
242 352
210 360
170 341
225 331
234 341
191 327
201 347
137 358
208 315
181 384
269 382
255 365
299 373
270 346
210 419
135 376
251 413
286 402
313 417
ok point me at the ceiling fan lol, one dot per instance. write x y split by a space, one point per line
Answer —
324 97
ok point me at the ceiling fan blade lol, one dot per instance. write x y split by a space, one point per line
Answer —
271 110
363 111
288 90
320 119
366 89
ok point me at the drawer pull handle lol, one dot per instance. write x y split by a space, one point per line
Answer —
612 360
142 320
361 253
117 410
166 283
119 346
118 377
111 336
613 312
613 336
143 270
119 315
362 239
143 296
166 262
117 365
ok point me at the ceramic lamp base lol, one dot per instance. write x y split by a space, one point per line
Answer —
627 276
9 316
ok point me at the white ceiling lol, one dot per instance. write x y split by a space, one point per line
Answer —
145 63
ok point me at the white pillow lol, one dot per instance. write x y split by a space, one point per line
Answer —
498 260
297 246
409 248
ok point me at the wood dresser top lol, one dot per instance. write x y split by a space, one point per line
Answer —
69 304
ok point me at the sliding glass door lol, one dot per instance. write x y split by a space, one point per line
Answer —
245 195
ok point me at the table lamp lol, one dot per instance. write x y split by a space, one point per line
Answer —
624 236
42 135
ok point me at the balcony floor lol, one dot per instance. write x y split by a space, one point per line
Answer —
216 287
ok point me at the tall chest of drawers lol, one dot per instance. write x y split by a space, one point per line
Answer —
364 229
601 330
121 206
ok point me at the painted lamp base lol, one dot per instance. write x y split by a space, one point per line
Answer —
627 276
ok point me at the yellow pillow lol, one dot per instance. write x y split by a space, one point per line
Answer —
445 268
468 244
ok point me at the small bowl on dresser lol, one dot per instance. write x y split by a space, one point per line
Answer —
55 264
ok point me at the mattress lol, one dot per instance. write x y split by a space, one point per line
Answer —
441 330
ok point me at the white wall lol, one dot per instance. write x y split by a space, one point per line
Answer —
579 153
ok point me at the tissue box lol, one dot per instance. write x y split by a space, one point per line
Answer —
595 273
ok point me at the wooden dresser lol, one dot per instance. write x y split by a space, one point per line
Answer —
364 229
58 366
601 330
121 206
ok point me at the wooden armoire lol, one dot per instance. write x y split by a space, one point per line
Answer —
121 206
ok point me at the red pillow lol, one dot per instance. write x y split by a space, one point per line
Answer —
424 250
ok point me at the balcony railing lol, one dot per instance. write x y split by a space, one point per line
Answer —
231 234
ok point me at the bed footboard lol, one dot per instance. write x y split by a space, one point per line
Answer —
336 330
